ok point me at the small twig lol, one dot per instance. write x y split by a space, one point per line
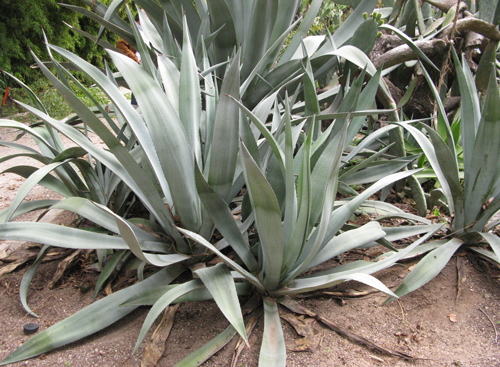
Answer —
458 230
294 306
462 276
402 309
377 359
492 324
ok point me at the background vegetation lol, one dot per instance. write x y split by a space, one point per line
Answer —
21 25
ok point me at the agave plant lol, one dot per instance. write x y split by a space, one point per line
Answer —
186 122
178 154
301 218
158 167
298 236
292 199
473 201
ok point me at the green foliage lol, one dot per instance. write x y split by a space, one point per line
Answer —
178 154
22 23
330 16
488 11
471 221
54 103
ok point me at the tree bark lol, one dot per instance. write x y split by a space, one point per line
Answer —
404 53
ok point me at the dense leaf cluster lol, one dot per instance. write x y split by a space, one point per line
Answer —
22 23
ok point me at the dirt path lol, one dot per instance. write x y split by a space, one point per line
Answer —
428 323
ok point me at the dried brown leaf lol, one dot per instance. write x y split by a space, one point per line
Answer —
304 344
304 326
9 268
453 317
154 350
63 266
108 290
241 343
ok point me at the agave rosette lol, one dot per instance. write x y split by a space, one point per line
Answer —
178 155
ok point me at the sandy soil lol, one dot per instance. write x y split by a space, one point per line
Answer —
429 323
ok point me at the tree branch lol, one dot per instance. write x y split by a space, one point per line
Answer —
486 29
405 53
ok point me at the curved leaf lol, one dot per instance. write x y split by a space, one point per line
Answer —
164 302
200 355
301 32
232 264
89 210
485 165
265 132
340 215
400 232
122 29
120 162
112 264
225 134
66 237
32 180
91 319
356 56
433 159
219 211
149 298
20 126
470 110
349 240
28 276
372 267
169 140
428 267
219 282
130 238
257 36
272 350
410 43
38 104
267 219
26 207
312 283
110 13
494 242
189 94
170 77
346 30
